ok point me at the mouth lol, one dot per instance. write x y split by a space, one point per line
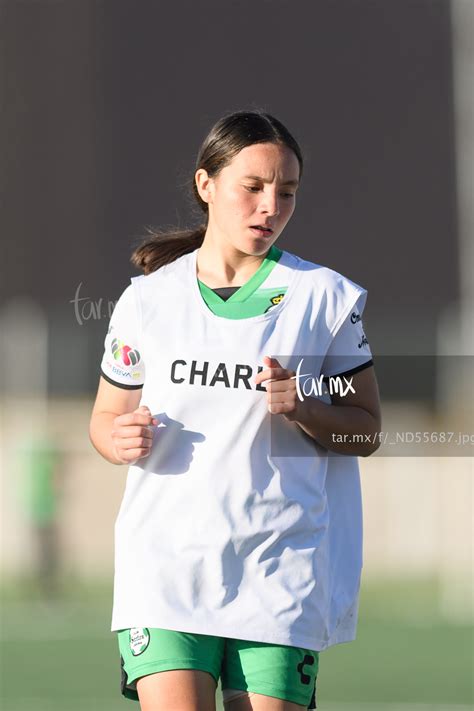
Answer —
262 230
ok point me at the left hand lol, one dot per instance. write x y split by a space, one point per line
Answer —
282 397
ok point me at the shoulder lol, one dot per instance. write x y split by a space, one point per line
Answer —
176 270
320 276
332 295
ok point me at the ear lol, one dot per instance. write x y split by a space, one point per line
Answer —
204 185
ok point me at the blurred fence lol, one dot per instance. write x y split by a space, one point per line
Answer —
417 510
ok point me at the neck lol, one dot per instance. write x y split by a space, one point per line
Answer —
220 264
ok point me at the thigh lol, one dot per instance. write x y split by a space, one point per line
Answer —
286 674
145 651
177 690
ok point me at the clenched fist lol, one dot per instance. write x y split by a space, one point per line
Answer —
132 435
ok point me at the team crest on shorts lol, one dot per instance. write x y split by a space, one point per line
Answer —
139 640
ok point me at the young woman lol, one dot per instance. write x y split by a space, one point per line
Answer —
238 540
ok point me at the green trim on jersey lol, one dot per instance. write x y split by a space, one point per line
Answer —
248 300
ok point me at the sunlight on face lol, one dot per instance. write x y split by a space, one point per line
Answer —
256 188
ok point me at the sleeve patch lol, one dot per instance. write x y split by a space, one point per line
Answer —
124 354
122 361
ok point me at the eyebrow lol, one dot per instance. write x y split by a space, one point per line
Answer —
257 177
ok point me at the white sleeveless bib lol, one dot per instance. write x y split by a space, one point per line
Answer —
223 528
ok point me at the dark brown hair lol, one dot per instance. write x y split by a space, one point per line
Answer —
226 138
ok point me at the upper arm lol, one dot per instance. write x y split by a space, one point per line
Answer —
122 362
365 395
122 369
349 356
112 398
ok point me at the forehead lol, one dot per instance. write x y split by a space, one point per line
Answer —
266 160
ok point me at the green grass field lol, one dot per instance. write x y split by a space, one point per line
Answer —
62 657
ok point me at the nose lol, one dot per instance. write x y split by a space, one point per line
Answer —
270 203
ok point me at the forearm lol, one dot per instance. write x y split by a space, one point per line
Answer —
100 429
330 425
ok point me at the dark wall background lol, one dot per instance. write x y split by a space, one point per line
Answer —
105 105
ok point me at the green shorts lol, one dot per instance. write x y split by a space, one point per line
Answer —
286 672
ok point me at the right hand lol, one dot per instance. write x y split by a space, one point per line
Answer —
132 436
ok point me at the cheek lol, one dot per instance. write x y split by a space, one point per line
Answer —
243 204
288 210
235 202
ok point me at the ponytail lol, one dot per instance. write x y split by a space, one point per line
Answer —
162 247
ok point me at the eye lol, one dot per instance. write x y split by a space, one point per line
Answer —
255 188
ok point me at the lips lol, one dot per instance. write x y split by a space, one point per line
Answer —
265 230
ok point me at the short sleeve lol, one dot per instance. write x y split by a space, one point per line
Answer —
122 363
349 350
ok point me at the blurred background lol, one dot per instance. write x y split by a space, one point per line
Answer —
104 106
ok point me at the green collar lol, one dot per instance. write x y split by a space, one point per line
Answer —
250 286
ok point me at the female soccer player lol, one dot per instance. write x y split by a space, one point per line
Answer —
234 376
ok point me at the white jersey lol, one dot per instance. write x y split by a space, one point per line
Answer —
224 528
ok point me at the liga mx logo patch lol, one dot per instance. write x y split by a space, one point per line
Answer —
139 640
124 353
274 301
